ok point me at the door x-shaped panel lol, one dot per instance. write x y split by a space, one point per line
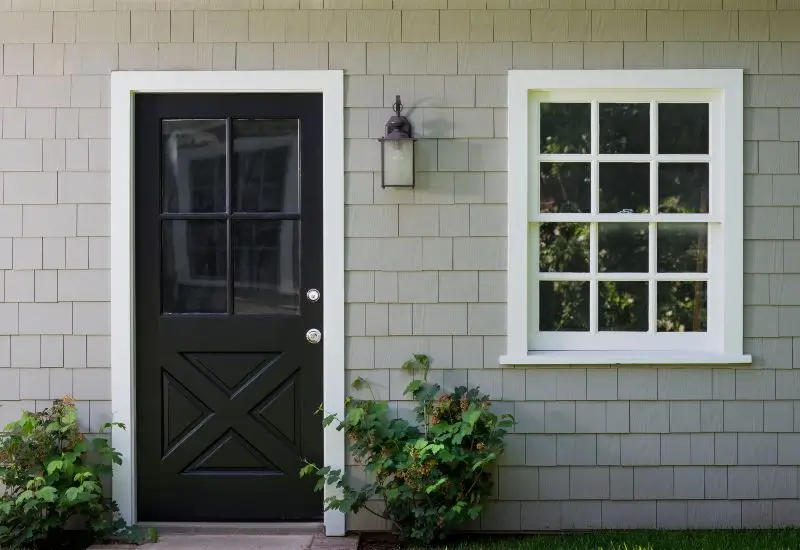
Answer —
230 413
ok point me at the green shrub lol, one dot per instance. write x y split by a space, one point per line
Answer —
52 477
431 476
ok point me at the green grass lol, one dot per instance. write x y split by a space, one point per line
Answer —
641 540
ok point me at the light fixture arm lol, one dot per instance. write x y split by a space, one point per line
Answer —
398 126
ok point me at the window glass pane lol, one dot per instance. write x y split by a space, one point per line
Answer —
622 247
265 159
565 187
194 262
624 187
683 188
682 247
193 165
681 306
683 128
563 305
565 128
625 128
266 266
623 306
564 247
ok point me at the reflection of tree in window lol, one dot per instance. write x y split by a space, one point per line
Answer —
683 188
565 187
623 306
565 128
681 306
564 247
564 305
683 128
624 128
624 186
622 247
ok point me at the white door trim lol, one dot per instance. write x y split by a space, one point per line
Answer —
123 397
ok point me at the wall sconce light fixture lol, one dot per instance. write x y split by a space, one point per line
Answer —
397 150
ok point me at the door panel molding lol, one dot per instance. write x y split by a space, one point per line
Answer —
126 84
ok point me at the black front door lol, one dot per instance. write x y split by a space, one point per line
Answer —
228 194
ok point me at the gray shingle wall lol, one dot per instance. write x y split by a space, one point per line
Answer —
598 447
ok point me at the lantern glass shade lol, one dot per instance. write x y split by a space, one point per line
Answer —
398 162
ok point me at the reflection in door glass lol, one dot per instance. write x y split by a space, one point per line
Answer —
266 175
266 266
193 165
193 266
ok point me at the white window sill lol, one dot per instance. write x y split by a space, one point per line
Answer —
624 358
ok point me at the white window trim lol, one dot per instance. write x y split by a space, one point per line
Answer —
727 85
124 85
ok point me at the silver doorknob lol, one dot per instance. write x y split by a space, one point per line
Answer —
312 294
314 336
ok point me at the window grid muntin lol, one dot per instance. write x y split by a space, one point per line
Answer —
594 218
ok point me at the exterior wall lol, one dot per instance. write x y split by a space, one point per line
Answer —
598 447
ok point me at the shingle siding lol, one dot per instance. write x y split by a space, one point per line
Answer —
600 447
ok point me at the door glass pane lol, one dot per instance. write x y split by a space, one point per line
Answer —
266 266
683 188
265 165
682 247
623 306
624 128
683 128
564 247
193 266
563 305
565 187
565 128
193 165
624 187
682 306
622 247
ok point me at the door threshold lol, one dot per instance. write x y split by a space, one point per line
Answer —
232 528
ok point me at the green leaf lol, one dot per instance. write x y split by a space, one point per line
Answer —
358 383
25 495
439 482
307 469
328 420
412 387
47 494
355 415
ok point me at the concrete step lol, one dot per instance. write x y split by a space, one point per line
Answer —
193 541
222 542
277 528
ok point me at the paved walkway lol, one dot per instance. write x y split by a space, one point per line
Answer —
242 542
